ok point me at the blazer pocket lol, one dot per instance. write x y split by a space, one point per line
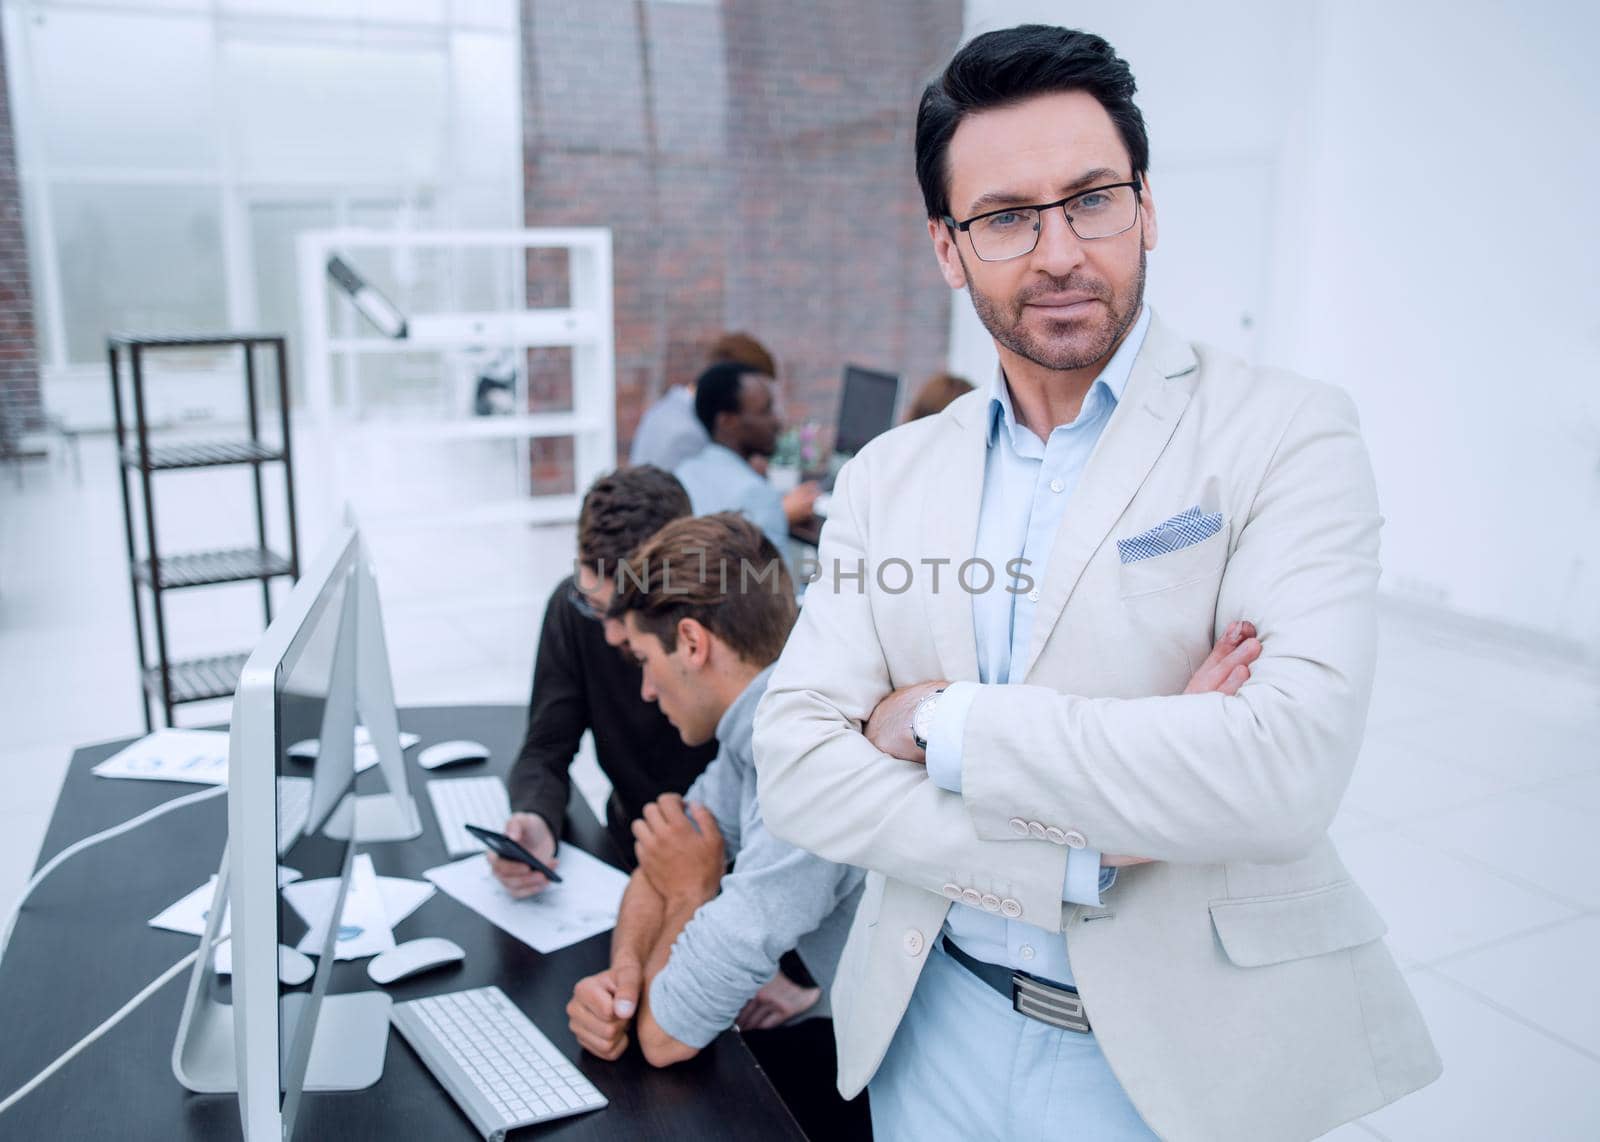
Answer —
1175 568
1261 930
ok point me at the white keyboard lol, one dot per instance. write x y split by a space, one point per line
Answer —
294 810
496 1064
462 801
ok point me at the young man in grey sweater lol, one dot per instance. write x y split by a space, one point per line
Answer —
708 605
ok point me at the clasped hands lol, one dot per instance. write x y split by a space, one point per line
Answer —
1224 671
680 852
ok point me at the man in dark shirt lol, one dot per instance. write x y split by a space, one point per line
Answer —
582 681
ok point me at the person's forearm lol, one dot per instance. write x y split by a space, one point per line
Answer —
660 1048
540 784
675 916
639 922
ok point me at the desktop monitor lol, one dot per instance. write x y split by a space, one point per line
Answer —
320 663
866 408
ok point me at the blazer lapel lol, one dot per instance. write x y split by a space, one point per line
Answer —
1139 430
948 529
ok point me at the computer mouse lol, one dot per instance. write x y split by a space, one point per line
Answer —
294 967
305 752
452 753
412 958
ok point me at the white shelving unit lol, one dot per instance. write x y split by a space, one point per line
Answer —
584 326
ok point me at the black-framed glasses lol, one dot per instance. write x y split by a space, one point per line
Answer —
1011 232
580 603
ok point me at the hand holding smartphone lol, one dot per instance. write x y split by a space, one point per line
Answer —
503 846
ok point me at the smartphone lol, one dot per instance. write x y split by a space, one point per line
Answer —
507 848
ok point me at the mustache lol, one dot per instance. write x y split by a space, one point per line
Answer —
1072 283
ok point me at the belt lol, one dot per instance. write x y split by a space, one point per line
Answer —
1054 1003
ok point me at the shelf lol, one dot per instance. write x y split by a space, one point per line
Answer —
187 340
529 427
210 454
200 568
199 679
555 508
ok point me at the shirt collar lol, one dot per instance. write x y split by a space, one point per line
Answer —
728 724
1109 385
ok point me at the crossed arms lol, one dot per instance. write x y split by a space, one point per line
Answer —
1200 778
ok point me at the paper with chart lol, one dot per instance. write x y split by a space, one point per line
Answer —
584 904
199 756
189 914
364 928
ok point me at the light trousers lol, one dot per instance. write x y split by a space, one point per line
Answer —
964 1066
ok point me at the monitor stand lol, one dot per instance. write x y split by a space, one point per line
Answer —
378 817
347 1047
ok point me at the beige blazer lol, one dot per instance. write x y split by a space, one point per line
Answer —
1240 987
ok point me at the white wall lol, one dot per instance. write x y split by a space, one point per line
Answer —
1394 198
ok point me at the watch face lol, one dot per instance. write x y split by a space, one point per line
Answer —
922 719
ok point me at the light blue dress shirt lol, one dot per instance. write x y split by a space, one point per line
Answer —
669 432
1027 488
718 479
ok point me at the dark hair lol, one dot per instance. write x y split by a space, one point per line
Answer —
624 508
719 570
937 392
742 349
717 391
1000 68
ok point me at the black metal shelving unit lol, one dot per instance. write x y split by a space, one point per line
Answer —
167 681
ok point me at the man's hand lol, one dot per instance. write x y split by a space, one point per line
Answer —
601 1008
532 832
679 850
1225 669
800 502
778 1001
889 727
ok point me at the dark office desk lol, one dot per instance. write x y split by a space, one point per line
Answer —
82 947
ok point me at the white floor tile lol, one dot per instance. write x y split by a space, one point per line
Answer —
1395 782
1549 978
1502 1081
1553 846
1493 740
1434 903
32 777
1574 792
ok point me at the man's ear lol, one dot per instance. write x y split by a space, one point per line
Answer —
1147 213
944 248
694 643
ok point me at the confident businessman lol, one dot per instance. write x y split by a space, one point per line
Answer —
984 700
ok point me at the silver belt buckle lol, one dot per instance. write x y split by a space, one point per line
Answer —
1052 1005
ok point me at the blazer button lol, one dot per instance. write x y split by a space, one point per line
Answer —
1076 840
991 902
972 897
1010 909
1036 830
912 942
1055 835
953 891
1018 826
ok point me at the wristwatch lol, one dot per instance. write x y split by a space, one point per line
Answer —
922 718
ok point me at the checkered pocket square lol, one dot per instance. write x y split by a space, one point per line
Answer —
1185 529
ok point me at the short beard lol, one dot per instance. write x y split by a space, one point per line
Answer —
1092 347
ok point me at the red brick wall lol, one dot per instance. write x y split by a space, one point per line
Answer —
753 160
20 406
